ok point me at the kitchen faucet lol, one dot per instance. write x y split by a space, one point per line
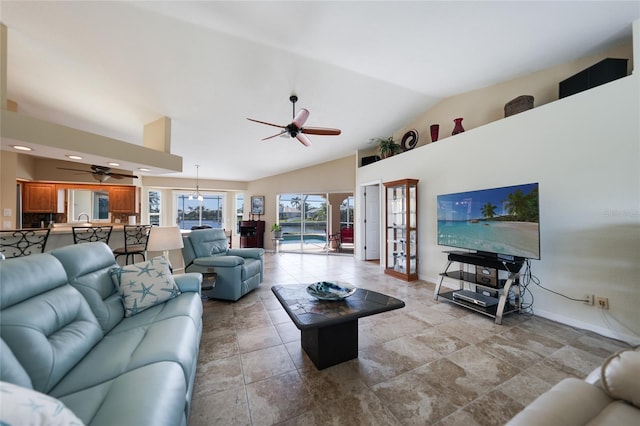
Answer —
83 214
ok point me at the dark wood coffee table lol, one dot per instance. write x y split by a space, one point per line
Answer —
329 329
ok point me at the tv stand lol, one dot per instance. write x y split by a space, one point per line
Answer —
474 297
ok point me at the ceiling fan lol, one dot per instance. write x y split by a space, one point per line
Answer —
296 128
101 173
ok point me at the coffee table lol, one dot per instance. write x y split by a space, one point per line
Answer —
328 328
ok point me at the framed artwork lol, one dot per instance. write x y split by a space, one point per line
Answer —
257 204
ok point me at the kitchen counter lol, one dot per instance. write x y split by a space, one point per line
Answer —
62 235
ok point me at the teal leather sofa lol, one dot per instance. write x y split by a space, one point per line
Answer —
65 334
238 270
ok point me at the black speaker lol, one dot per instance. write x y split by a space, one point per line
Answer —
370 159
603 72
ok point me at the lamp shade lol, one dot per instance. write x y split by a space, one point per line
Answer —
164 238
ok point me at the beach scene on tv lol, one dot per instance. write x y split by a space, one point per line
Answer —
499 220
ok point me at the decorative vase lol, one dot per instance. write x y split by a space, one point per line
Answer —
435 128
458 126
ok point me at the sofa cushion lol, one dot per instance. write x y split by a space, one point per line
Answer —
24 406
145 284
150 395
569 402
209 242
621 376
173 339
10 369
51 330
92 278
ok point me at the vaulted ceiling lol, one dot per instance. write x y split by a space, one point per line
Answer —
365 67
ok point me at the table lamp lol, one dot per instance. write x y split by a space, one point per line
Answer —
165 238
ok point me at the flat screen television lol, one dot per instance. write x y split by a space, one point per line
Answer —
501 221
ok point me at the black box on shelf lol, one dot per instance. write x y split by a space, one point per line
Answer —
370 159
603 72
486 276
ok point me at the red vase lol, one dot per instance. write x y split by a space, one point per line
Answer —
458 126
435 128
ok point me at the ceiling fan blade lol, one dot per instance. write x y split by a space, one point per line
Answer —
75 170
264 122
304 140
121 175
300 118
274 136
325 131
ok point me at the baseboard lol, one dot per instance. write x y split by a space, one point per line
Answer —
553 316
603 331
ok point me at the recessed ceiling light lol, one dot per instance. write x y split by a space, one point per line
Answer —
73 157
143 169
114 164
21 148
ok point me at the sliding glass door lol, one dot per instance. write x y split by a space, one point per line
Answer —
303 218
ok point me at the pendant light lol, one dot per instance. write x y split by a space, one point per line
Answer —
197 194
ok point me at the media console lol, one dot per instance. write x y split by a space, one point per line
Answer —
486 292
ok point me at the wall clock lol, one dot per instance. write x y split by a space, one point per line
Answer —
409 140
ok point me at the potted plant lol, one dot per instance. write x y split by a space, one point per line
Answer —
387 146
277 231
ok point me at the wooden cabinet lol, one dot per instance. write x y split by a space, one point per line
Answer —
252 233
122 199
401 258
39 197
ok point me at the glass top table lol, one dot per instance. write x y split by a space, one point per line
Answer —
329 328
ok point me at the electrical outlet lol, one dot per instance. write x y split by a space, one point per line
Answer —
588 299
602 302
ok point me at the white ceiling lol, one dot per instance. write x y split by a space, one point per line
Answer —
367 68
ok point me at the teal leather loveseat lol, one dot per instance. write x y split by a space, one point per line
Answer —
66 333
238 271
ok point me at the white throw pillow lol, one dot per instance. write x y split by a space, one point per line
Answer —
23 406
621 376
145 284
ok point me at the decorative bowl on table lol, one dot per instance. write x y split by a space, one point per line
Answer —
329 290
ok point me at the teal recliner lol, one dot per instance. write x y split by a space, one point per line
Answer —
238 270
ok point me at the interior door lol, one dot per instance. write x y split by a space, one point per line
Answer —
372 222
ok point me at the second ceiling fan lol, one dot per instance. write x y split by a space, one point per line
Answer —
296 128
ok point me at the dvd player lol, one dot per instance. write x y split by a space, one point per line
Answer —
475 298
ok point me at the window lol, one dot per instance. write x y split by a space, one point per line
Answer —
239 210
197 213
154 207
346 212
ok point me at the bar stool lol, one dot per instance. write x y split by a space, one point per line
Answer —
136 238
89 234
23 242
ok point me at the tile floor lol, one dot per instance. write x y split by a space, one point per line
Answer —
428 363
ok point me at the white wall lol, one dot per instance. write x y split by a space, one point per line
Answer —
584 151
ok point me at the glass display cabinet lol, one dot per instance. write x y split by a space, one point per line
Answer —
402 229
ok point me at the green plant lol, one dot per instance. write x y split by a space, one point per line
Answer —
387 146
275 227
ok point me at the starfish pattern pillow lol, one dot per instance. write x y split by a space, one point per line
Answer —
145 284
23 406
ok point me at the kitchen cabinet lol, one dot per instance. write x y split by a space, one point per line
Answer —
39 197
122 199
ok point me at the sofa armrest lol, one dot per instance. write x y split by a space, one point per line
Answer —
253 253
219 261
190 281
570 402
